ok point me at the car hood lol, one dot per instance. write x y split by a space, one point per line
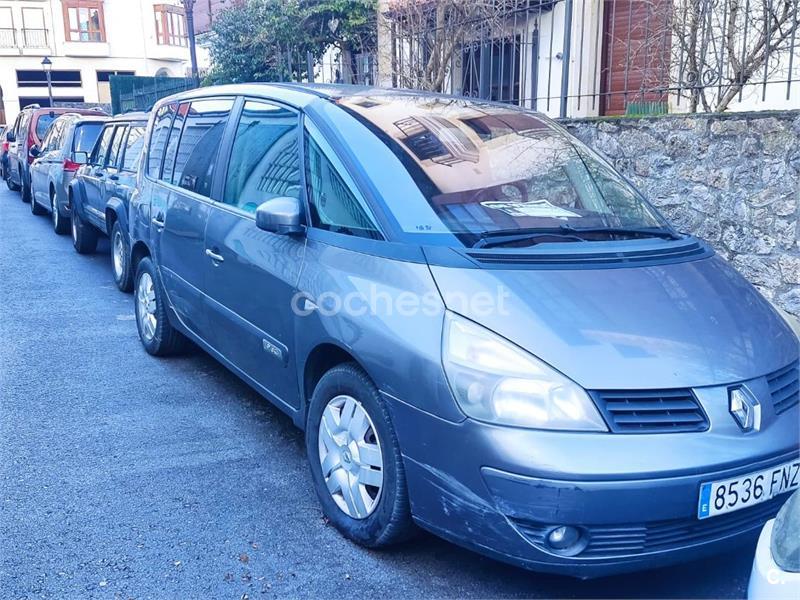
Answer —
689 324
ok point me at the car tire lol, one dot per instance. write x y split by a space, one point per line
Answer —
26 188
36 208
382 513
121 258
61 225
84 236
156 333
11 185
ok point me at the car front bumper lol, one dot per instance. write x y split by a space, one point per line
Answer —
501 490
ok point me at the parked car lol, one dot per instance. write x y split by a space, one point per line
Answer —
482 328
100 193
776 568
64 149
3 152
28 131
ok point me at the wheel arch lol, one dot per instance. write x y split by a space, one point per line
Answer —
115 211
321 359
75 196
139 251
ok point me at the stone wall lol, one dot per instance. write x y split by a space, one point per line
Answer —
733 180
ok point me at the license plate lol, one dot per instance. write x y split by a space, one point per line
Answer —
720 497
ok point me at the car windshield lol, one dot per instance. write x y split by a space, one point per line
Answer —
43 123
86 135
489 170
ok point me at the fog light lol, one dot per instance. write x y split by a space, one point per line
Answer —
563 537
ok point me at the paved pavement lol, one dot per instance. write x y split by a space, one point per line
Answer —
122 475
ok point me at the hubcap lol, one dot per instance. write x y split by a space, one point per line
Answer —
74 229
350 456
146 307
54 210
119 255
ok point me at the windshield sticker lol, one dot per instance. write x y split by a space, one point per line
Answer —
535 208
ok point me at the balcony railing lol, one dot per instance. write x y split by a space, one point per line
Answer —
35 38
8 38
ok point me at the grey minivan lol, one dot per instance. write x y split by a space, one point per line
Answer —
483 329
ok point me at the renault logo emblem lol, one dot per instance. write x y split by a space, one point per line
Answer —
745 408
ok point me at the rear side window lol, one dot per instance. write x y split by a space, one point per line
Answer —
24 124
101 148
116 146
265 162
43 123
199 146
85 136
133 148
333 203
172 142
158 139
51 138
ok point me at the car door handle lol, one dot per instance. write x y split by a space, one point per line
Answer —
113 177
158 222
217 258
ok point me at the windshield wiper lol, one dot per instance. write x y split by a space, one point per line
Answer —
500 237
641 232
565 232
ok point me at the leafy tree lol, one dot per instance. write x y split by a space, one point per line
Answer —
267 40
347 24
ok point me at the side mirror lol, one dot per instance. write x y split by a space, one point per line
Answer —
81 158
10 137
280 215
34 152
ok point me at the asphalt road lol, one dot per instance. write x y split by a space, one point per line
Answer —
127 476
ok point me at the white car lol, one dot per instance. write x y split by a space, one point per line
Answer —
776 568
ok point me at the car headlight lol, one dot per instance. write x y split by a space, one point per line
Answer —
495 381
785 542
792 321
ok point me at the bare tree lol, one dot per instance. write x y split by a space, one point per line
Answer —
427 35
708 52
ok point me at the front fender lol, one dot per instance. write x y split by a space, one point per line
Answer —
76 196
120 208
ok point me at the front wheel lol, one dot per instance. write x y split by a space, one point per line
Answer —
84 236
60 224
36 208
355 459
11 185
120 259
26 188
156 333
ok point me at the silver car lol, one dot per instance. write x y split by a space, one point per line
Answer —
482 327
65 147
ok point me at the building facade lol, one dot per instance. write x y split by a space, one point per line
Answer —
87 41
584 58
206 11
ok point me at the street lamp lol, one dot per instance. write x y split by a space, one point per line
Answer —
47 65
188 9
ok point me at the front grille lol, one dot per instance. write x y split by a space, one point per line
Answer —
784 387
651 411
608 541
